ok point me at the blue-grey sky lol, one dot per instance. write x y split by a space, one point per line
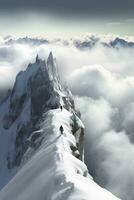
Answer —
75 5
66 17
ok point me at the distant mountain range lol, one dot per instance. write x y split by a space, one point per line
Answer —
93 41
82 44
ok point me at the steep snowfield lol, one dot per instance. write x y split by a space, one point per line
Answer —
53 173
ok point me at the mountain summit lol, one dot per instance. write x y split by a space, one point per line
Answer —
42 136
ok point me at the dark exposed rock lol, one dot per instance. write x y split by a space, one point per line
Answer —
73 148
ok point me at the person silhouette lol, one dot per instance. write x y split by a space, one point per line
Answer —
61 107
61 129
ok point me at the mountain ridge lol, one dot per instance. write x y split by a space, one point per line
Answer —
42 140
36 90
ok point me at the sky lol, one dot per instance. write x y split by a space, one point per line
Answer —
66 18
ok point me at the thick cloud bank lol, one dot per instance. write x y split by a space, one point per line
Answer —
109 117
105 96
102 80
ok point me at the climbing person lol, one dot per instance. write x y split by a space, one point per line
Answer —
61 107
61 129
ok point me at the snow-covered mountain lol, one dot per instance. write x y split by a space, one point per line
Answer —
42 140
83 43
86 43
119 42
26 40
92 41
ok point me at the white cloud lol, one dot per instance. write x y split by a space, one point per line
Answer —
109 152
114 23
130 20
106 101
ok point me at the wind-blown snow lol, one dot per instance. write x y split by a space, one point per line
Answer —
53 173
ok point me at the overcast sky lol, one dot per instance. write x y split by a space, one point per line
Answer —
66 17
75 5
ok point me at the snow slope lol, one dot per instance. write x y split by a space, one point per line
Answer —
53 173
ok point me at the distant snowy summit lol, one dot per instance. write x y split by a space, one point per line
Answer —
42 140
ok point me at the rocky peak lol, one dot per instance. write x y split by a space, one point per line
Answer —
37 59
50 59
36 90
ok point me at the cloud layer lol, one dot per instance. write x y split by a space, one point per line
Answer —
105 97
